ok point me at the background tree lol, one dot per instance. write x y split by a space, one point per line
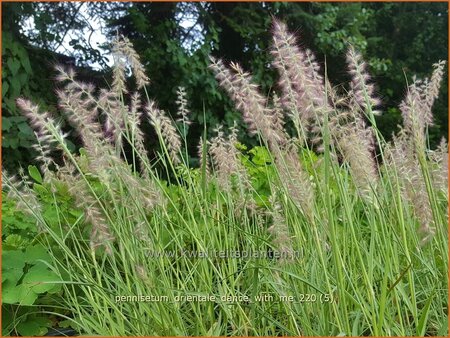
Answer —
175 40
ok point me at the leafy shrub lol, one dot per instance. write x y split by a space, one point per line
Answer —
28 279
25 271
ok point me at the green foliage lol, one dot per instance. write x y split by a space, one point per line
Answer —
29 278
30 323
258 162
16 224
20 79
338 26
16 77
26 275
25 73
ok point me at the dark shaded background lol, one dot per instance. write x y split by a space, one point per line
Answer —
398 40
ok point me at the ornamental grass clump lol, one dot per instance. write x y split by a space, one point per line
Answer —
322 229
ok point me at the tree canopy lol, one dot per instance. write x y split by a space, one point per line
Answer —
175 40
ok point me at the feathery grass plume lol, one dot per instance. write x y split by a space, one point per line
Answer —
81 114
296 180
122 47
142 274
142 190
101 234
248 100
416 108
167 131
114 123
139 191
20 191
245 200
44 150
183 111
337 115
404 160
200 147
47 133
77 101
253 106
313 71
410 144
224 165
280 232
260 118
64 74
432 88
415 119
439 167
135 106
278 119
119 79
303 91
348 128
134 121
362 93
45 140
141 232
355 141
39 121
81 108
233 141
226 161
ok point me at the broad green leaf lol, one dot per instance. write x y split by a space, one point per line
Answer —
40 189
6 124
13 143
51 215
13 65
34 173
40 279
13 259
23 79
25 128
67 324
260 155
18 119
34 326
5 142
18 221
25 61
24 142
10 104
12 275
13 262
14 241
17 294
70 145
35 253
5 87
15 88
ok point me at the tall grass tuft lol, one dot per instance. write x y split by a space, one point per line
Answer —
350 239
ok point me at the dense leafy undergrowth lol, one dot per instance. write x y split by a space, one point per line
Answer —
323 229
